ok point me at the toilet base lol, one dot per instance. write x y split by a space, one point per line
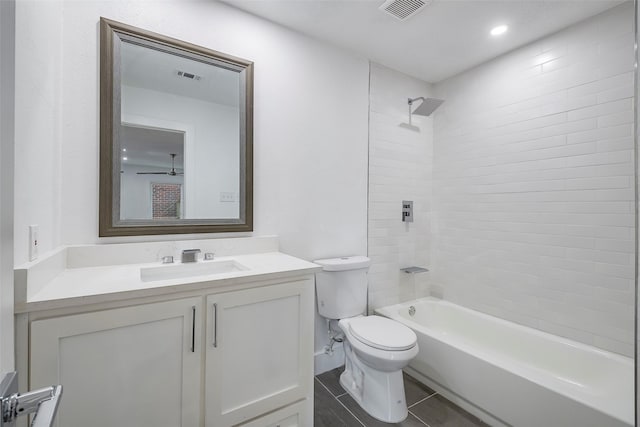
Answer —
379 393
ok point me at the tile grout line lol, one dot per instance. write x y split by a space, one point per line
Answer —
419 419
325 386
349 410
342 404
422 400
320 381
362 423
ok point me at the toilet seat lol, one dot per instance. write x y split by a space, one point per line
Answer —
382 333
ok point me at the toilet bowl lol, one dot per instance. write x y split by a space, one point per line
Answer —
376 350
380 343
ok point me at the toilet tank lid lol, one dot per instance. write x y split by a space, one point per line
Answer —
344 263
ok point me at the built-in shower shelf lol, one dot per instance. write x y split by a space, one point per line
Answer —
414 270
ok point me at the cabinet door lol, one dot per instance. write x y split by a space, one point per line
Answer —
291 416
134 366
259 353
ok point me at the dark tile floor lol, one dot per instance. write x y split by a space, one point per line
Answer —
335 408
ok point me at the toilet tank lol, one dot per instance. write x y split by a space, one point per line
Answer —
341 286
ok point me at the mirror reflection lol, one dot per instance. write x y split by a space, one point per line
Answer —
176 136
176 109
152 173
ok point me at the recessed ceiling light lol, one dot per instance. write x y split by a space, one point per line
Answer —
499 30
125 158
124 149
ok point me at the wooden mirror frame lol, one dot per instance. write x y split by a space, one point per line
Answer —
109 223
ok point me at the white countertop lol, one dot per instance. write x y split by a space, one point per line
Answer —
96 284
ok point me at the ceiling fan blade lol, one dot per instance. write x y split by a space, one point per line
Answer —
172 172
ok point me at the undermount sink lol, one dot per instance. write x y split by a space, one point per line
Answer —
178 271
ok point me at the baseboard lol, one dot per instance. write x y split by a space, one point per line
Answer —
324 362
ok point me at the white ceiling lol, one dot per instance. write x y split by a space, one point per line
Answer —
151 147
444 39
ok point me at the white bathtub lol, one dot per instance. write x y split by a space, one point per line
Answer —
514 375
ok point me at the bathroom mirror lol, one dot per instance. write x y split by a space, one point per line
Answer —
176 131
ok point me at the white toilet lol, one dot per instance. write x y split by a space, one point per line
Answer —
376 348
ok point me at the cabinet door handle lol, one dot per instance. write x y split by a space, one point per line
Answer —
215 325
193 329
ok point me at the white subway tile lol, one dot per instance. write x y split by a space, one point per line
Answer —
616 245
625 272
600 134
616 119
615 65
616 144
601 110
615 93
602 86
533 193
602 158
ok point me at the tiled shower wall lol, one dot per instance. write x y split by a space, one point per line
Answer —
533 184
400 162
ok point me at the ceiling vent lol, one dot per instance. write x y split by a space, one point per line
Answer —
403 9
187 75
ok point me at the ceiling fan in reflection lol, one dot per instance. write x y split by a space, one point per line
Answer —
172 172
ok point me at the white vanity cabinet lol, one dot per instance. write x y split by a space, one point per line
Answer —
232 358
131 366
259 355
296 415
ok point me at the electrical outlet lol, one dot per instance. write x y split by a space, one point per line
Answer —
33 242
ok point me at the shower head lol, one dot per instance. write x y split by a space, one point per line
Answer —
428 106
409 127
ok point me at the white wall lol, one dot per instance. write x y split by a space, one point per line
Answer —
533 184
38 129
310 123
400 168
7 112
211 151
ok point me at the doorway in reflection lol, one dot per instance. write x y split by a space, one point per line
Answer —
152 173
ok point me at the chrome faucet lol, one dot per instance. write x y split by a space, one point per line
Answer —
190 255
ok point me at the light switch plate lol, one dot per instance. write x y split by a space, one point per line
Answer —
227 196
407 211
33 242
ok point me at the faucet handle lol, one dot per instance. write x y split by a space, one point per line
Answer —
167 259
208 256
